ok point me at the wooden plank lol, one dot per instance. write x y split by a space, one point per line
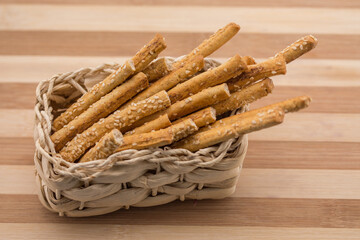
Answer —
259 183
48 231
264 212
85 43
320 127
340 99
254 3
303 72
155 18
303 155
260 154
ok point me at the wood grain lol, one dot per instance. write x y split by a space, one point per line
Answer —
262 212
48 231
254 3
100 43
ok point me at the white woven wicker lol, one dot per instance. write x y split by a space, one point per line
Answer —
129 178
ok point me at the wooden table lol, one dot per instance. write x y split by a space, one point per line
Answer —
301 180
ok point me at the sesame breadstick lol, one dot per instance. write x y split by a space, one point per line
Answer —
233 67
136 64
211 44
290 105
268 68
222 133
170 80
119 119
244 96
249 60
147 140
102 108
201 118
298 48
157 69
183 129
156 124
105 147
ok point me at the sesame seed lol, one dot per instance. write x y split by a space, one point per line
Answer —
301 47
253 122
225 69
273 72
294 48
270 111
187 71
252 78
134 144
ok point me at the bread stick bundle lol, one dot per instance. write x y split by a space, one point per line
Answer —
298 48
159 138
170 80
211 44
245 96
159 123
268 68
191 104
100 109
119 119
158 69
233 67
105 147
136 64
223 133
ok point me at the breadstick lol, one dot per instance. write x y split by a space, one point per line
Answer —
119 119
298 48
156 124
157 69
136 64
147 140
249 60
268 68
170 80
245 96
105 147
211 44
222 133
292 105
103 107
201 118
183 129
233 67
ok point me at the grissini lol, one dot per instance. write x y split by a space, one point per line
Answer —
136 64
244 96
103 107
298 48
268 68
222 133
105 147
211 44
160 137
289 105
147 140
201 118
119 119
170 80
249 60
191 104
156 124
157 69
231 68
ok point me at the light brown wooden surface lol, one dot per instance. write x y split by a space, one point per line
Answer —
300 180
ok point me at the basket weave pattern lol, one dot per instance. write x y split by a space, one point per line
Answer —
129 178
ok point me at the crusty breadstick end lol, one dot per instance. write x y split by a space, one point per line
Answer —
157 69
245 96
201 118
298 48
105 147
183 129
249 60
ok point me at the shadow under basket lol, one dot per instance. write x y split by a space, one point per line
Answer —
138 178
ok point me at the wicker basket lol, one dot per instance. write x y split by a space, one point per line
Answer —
129 178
